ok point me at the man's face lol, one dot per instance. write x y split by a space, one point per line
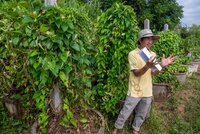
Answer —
146 42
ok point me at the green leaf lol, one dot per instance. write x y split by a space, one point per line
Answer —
66 41
71 25
49 45
64 27
27 19
88 72
66 102
28 31
43 28
86 61
62 76
76 47
64 56
15 40
83 120
70 114
8 68
34 53
58 22
65 107
44 77
73 122
62 48
53 67
35 65
88 83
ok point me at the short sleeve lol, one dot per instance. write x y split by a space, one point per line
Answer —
132 61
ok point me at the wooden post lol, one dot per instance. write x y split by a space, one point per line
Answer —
146 24
166 27
50 2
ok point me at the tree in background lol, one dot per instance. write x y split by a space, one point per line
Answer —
105 4
165 11
141 9
182 31
158 12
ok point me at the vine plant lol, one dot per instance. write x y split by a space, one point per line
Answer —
47 45
117 34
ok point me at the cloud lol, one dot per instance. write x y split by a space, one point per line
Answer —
191 12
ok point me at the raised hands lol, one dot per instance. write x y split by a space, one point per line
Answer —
167 61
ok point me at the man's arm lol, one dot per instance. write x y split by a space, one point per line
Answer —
139 72
155 72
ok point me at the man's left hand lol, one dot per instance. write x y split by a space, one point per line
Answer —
167 61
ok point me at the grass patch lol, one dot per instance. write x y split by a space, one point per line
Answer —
154 124
189 122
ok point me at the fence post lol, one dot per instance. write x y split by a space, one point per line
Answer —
146 24
166 27
50 2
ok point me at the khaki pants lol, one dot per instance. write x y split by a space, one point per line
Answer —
141 105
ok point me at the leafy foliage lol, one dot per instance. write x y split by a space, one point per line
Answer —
117 30
91 8
166 77
159 12
177 67
165 12
106 4
192 42
169 44
41 47
142 10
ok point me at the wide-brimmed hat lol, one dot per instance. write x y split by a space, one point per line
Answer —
147 33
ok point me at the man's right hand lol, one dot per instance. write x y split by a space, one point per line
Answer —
152 62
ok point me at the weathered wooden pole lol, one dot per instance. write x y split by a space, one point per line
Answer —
146 24
166 27
50 2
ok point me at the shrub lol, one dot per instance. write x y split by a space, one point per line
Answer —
39 48
117 34
169 44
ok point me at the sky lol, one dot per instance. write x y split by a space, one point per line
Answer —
191 12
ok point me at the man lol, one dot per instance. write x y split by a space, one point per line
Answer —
139 96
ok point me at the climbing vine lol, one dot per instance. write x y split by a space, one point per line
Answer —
117 34
41 46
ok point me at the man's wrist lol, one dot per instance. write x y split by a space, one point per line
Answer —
162 65
146 67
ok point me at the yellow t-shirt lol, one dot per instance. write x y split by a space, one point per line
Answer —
139 86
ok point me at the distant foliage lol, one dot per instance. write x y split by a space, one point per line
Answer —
159 12
192 42
92 8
